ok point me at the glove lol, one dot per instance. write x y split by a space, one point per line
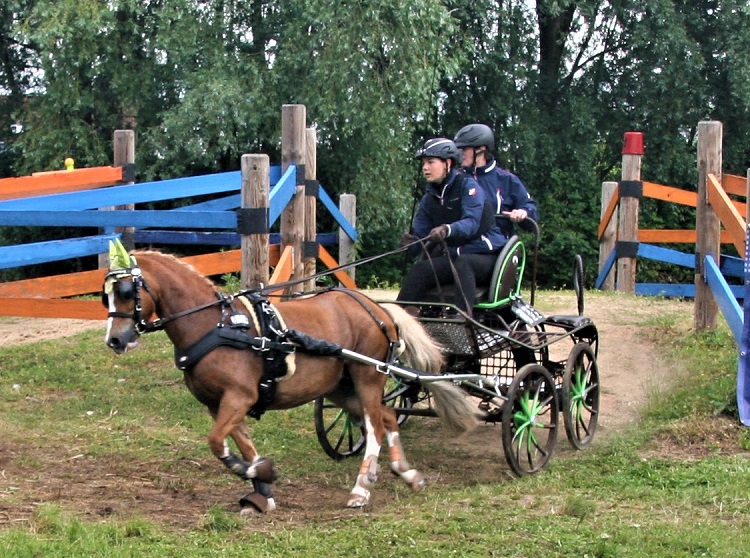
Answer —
407 238
438 234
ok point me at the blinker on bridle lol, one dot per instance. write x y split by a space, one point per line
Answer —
126 284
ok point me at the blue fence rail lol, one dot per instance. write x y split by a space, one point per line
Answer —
80 209
729 266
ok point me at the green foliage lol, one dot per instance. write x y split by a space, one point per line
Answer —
559 82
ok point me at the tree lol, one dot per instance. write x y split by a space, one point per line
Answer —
558 81
585 72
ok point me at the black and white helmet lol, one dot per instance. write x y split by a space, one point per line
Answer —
441 148
475 135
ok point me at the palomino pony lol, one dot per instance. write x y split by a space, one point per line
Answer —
242 356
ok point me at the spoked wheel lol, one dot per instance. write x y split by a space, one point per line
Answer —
580 395
578 285
342 434
530 420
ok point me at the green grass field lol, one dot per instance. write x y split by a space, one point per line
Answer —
106 456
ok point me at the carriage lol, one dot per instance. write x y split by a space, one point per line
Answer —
522 368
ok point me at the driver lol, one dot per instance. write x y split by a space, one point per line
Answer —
460 228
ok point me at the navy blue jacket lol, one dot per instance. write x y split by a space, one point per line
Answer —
463 237
505 192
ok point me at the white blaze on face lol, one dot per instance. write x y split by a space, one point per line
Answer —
110 308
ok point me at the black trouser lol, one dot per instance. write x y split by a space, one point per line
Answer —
471 269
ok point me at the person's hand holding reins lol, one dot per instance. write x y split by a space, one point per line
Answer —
516 215
438 234
406 239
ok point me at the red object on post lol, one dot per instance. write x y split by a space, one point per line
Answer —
633 143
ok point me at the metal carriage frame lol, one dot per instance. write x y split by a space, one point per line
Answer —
523 368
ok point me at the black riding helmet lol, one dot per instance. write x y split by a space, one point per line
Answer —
441 148
475 135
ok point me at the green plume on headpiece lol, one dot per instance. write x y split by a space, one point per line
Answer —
118 256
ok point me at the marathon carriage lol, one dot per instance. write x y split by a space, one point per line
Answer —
523 369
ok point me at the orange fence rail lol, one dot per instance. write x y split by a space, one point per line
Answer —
58 182
730 211
43 297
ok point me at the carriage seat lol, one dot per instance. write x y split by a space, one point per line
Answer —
505 281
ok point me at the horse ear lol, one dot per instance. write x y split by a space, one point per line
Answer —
112 256
118 256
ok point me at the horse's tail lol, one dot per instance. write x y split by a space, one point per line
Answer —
419 350
422 353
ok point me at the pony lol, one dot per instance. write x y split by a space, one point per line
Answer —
242 356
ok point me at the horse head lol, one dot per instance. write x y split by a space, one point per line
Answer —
122 295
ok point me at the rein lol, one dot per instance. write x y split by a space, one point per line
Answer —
142 326
279 286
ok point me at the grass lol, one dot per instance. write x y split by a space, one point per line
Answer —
667 486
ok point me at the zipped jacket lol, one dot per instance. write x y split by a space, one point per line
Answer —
460 203
505 192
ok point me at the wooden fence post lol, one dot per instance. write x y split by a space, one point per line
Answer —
123 154
310 244
293 146
254 221
347 253
607 241
707 224
627 241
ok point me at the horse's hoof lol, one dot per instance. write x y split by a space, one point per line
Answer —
264 470
418 482
254 503
249 511
358 501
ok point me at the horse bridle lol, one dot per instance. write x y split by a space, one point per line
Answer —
131 290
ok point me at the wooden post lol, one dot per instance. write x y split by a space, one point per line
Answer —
707 224
607 241
254 246
347 253
747 199
310 251
293 145
123 154
627 237
124 142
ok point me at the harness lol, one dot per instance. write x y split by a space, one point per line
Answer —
271 345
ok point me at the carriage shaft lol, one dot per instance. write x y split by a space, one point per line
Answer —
478 383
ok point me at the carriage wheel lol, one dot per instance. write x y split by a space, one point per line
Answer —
580 395
530 420
578 285
342 434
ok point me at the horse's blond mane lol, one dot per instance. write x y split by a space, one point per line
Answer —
175 260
